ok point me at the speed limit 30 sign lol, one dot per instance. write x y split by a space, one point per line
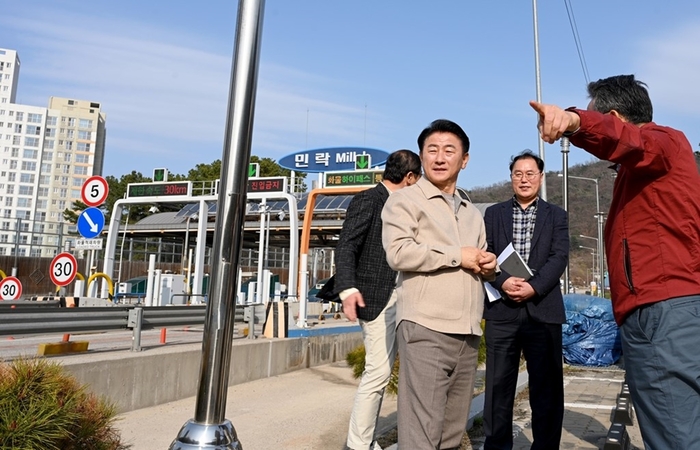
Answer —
10 288
94 191
63 269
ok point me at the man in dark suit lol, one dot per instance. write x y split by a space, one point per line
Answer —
365 283
529 315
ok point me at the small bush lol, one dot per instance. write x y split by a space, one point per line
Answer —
43 407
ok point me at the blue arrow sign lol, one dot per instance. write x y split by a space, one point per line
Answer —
91 222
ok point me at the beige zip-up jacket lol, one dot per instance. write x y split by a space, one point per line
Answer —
423 237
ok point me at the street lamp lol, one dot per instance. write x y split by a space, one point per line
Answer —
599 218
597 243
595 274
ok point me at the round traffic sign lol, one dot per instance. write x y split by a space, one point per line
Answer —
10 288
63 269
94 191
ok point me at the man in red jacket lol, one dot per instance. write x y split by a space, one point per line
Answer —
652 237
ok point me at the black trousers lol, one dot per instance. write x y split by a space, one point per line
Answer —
541 345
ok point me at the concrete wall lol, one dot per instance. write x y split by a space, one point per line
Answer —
139 380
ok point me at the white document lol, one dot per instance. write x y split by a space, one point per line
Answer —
510 261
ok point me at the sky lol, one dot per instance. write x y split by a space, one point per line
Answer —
366 73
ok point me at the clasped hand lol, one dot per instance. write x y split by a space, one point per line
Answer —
478 261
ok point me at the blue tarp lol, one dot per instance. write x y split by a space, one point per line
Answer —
590 336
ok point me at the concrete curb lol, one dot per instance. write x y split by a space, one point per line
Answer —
477 408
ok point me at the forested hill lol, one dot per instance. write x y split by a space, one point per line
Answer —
582 207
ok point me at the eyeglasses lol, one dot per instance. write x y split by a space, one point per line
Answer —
528 175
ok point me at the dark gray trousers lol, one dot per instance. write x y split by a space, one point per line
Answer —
661 350
436 384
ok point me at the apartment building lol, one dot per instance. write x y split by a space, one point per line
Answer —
46 154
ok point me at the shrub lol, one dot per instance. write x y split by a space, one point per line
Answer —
43 407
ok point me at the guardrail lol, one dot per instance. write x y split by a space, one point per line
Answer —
27 318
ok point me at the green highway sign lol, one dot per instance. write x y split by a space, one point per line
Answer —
356 178
160 175
253 170
362 162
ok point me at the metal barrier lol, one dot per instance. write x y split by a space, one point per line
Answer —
13 304
29 319
22 321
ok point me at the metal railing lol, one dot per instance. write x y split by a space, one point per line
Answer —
28 319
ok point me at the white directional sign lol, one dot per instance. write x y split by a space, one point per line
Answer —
88 244
63 269
94 191
10 288
91 222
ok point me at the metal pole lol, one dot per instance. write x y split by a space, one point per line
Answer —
565 194
209 429
261 254
538 87
601 252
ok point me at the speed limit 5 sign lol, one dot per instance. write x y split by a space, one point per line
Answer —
10 288
63 269
94 191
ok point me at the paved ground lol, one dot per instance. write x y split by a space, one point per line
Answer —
590 396
310 409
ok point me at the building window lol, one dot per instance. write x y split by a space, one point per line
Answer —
47 156
18 128
34 118
82 158
26 178
31 142
48 143
50 120
13 164
50 132
85 123
84 135
26 190
20 116
71 121
30 154
80 170
42 192
24 202
15 152
28 165
46 168
83 147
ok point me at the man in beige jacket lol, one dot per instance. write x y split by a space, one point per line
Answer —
436 240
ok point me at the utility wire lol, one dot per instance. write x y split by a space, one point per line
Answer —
577 39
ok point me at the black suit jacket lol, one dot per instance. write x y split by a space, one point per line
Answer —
360 260
549 255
